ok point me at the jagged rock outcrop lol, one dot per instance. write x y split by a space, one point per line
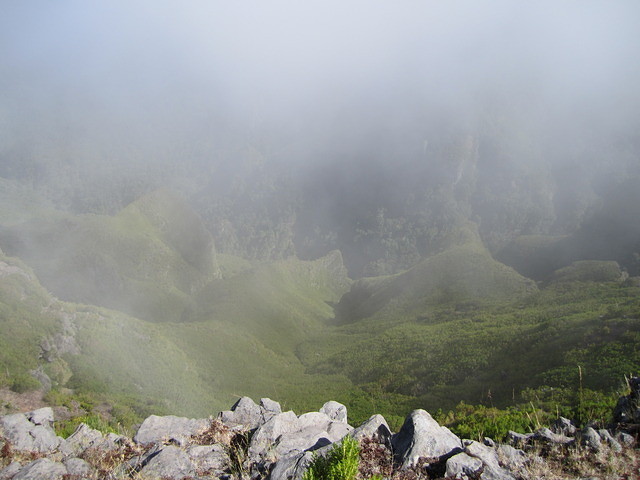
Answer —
259 441
422 437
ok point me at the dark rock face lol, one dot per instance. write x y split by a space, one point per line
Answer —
627 410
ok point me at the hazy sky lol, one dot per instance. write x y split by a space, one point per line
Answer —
148 73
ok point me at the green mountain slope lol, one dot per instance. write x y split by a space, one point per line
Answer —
146 261
464 272
244 347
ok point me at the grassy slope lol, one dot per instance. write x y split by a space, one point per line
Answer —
462 352
455 327
146 261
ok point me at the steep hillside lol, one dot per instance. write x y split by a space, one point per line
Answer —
464 272
146 261
243 342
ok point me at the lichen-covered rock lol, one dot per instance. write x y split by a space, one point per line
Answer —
606 437
335 411
376 427
245 412
291 467
10 470
463 467
78 468
27 436
170 429
563 426
41 469
590 438
212 459
421 436
168 463
547 436
510 457
267 434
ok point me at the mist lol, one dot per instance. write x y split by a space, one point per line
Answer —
358 103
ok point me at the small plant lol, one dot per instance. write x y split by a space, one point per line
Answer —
65 428
340 463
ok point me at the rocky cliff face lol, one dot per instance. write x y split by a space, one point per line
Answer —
255 441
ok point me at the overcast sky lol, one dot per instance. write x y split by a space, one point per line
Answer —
152 72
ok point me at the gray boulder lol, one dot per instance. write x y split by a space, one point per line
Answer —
77 468
487 455
212 459
491 468
335 411
10 470
245 413
421 436
84 437
463 467
545 435
41 469
314 420
170 429
590 438
489 442
510 457
376 427
291 467
606 437
563 426
518 439
168 463
42 416
27 436
266 435
284 433
625 439
269 408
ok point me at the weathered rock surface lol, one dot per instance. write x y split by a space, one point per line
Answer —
170 429
421 436
271 445
285 433
245 413
10 470
376 427
168 463
35 435
41 469
462 467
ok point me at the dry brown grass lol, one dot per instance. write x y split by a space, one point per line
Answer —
562 463
217 432
8 454
106 461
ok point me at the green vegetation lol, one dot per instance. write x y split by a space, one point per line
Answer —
340 463
65 428
188 330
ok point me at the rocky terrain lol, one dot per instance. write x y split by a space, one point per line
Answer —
254 441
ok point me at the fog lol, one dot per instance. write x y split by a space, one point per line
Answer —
183 93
